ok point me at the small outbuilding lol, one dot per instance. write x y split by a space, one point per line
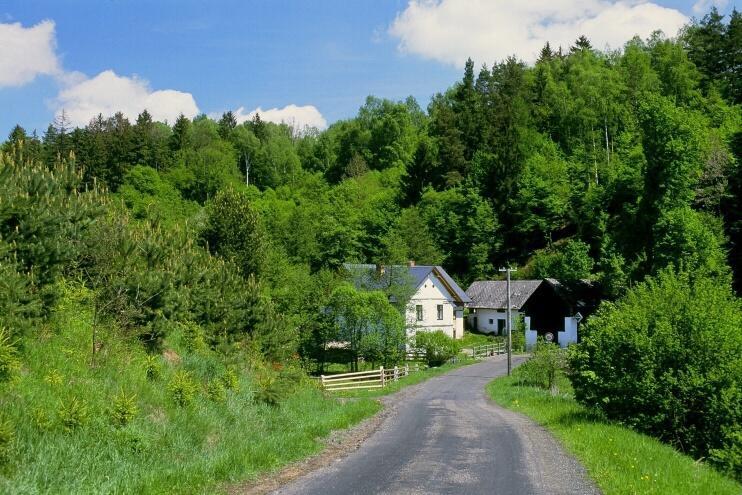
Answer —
548 309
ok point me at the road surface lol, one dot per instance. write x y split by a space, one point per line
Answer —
446 437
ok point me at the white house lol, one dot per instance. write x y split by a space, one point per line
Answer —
545 310
436 301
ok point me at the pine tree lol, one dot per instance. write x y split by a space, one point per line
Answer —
226 124
181 136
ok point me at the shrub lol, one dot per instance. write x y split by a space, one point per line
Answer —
182 388
667 359
271 390
123 409
231 380
7 435
152 367
437 346
547 361
216 391
73 413
41 419
193 337
519 334
9 362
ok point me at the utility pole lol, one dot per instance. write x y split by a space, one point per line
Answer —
509 323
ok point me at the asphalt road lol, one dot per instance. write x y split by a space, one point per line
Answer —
445 437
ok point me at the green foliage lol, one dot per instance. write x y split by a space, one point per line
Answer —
231 380
7 437
73 413
9 359
152 367
437 346
546 363
374 328
669 349
123 409
182 389
234 231
216 391
569 263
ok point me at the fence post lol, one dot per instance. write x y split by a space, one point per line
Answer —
381 373
406 369
396 373
322 380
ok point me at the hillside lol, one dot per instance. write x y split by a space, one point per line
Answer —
164 289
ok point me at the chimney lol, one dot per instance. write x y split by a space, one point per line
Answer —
411 263
379 269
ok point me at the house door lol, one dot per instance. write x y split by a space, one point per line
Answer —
476 323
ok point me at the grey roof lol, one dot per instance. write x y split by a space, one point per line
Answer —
366 276
492 294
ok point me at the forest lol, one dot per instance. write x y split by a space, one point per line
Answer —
221 240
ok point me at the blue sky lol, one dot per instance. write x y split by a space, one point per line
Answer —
198 56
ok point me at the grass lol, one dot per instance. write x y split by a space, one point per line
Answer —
473 339
411 379
620 460
166 448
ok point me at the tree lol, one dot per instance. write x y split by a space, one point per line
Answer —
234 231
373 328
653 361
227 124
181 136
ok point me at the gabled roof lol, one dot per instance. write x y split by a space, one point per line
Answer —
367 276
492 294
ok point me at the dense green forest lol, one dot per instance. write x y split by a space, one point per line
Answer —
214 247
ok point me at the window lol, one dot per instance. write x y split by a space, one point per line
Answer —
440 311
419 311
492 321
500 325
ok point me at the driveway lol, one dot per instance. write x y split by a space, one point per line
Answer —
446 437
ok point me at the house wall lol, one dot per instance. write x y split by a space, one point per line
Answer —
430 294
483 317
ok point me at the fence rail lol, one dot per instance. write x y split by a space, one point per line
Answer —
366 379
486 350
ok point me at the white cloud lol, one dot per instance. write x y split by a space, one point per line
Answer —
299 117
449 31
27 52
703 6
108 93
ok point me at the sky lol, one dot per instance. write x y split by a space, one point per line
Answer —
301 62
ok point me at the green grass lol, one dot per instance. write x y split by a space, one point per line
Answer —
165 448
620 460
412 379
472 339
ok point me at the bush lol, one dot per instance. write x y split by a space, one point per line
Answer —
437 346
519 335
547 361
271 390
182 388
216 391
9 362
123 409
231 380
152 367
667 360
73 414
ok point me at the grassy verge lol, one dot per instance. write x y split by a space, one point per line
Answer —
621 461
60 409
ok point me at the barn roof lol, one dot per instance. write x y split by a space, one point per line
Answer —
492 294
367 276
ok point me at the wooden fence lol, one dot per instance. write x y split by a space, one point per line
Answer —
366 379
486 350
